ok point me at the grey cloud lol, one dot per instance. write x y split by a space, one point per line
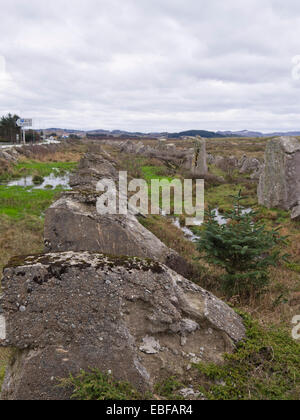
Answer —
151 65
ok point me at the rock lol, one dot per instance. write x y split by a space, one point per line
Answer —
2 328
6 155
199 164
92 167
171 147
128 147
210 159
279 185
122 315
161 143
110 234
189 159
250 165
257 173
226 163
140 149
241 161
189 393
73 224
296 213
150 345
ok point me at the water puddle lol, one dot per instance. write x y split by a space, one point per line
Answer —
190 235
52 181
187 232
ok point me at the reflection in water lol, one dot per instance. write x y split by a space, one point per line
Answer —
54 180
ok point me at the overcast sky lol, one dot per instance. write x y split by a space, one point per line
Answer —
152 65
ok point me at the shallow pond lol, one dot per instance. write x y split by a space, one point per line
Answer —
53 180
189 234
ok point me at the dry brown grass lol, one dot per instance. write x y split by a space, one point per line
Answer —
59 154
5 167
19 237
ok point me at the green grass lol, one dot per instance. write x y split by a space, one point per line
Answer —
266 366
16 202
169 389
97 386
155 172
221 196
36 168
294 267
2 374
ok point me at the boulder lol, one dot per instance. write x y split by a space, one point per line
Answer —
128 147
136 319
210 159
199 164
7 155
257 173
171 147
296 213
188 159
250 165
242 160
93 167
226 163
161 143
279 184
73 224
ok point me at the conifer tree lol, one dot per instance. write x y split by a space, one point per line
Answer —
243 247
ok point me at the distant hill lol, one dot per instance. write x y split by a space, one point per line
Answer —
289 133
187 133
193 133
247 133
242 133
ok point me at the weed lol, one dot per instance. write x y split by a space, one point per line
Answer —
266 366
97 386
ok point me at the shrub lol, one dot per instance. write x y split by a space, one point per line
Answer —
97 386
266 366
37 180
243 247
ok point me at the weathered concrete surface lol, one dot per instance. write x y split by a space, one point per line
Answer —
250 165
93 167
137 318
2 328
73 224
279 184
187 158
199 164
296 213
226 163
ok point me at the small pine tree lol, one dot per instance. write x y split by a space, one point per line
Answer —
243 247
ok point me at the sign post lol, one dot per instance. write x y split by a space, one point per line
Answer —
24 122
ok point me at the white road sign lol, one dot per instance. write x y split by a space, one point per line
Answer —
24 122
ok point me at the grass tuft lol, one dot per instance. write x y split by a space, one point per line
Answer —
266 366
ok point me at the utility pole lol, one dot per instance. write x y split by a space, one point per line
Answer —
24 135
